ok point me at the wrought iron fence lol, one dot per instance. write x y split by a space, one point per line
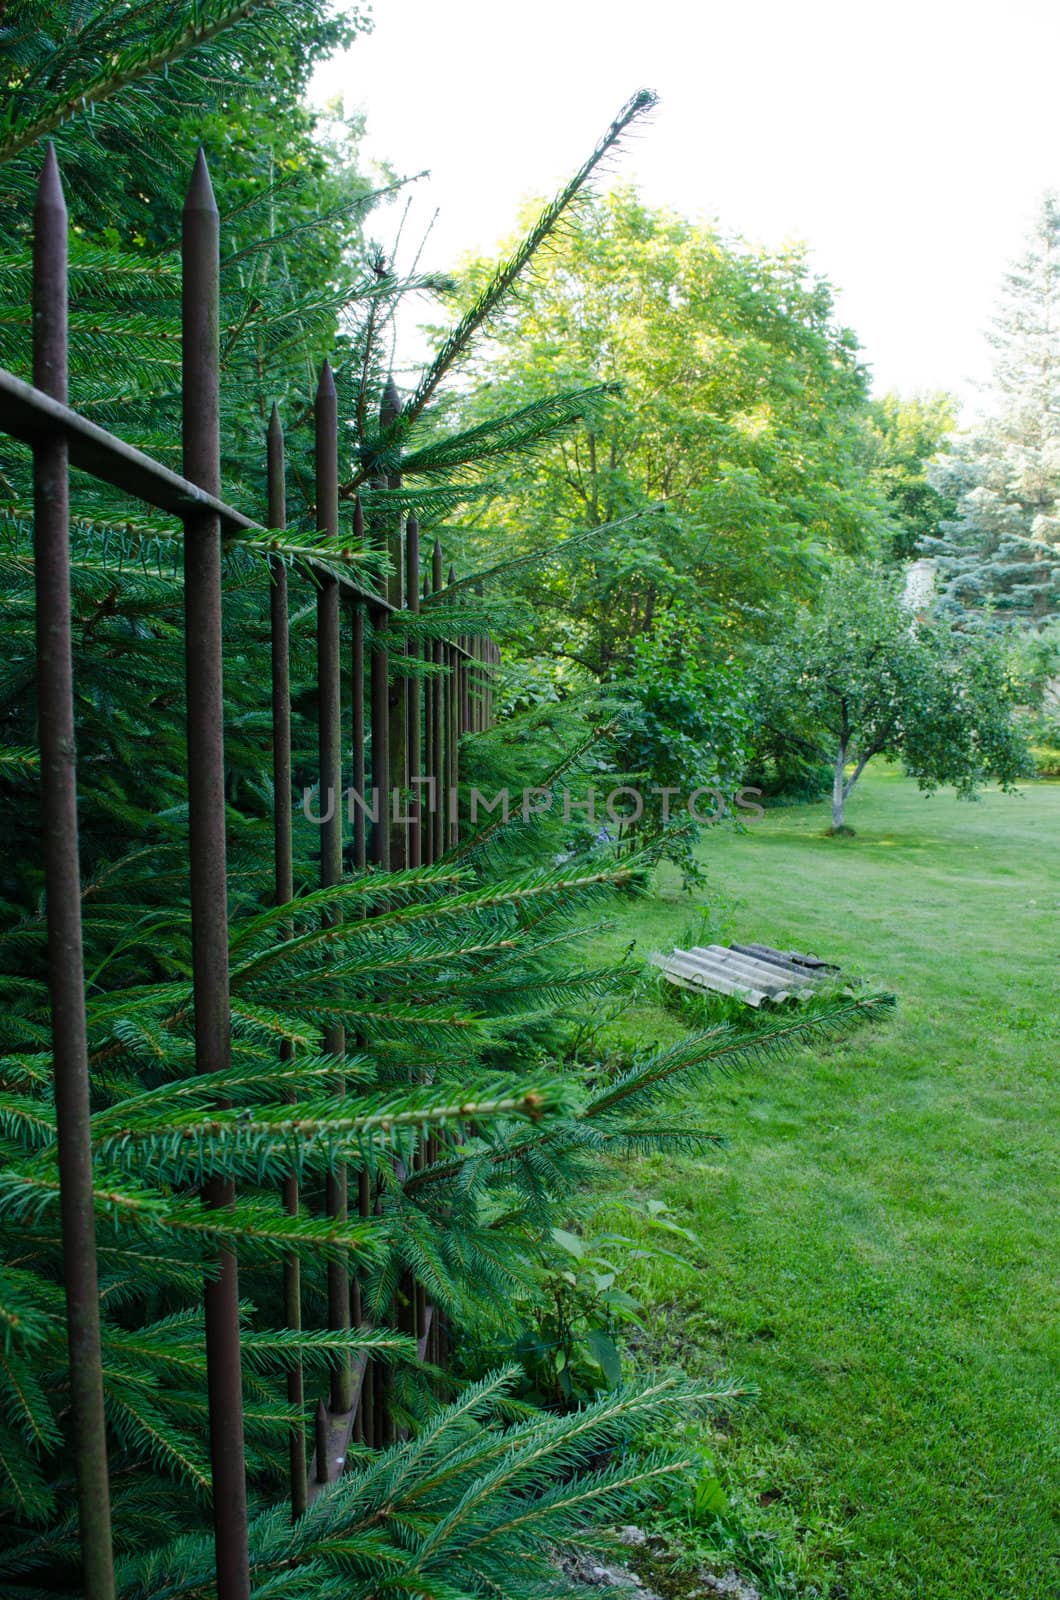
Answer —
409 722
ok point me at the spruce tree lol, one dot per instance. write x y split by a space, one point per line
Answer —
1001 552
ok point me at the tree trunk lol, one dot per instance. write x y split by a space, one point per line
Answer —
839 790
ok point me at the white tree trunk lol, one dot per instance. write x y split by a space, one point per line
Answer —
839 798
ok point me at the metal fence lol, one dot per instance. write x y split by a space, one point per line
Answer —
411 723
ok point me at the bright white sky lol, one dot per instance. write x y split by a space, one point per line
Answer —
908 144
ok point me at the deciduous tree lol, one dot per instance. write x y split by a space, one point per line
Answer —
741 404
870 680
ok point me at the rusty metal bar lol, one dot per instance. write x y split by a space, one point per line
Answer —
472 686
357 708
28 413
357 675
495 657
385 1432
378 672
413 697
453 741
438 729
464 685
479 683
330 741
281 671
426 817
58 784
206 845
398 774
487 679
379 710
366 1411
284 890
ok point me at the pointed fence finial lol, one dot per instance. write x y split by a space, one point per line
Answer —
390 406
274 471
327 380
452 575
358 518
50 290
200 196
50 195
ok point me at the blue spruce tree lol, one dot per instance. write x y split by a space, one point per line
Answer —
1000 555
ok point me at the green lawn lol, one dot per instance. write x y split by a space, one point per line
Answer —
881 1237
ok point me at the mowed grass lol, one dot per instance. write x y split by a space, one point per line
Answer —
880 1240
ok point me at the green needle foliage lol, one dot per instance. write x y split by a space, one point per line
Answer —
450 980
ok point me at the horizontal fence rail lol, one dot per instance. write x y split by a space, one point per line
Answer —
410 703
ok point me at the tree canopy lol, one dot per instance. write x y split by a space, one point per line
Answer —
906 435
737 400
865 678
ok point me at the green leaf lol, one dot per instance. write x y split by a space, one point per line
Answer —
605 1353
569 1242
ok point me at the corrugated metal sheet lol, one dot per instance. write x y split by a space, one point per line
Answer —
754 973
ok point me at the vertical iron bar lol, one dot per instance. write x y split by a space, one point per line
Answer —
379 672
438 733
455 730
362 1420
206 845
478 682
412 696
357 708
427 818
366 1411
385 1432
411 1291
379 706
58 780
284 886
398 776
495 656
330 737
397 781
465 683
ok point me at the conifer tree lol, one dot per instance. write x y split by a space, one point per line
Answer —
1001 552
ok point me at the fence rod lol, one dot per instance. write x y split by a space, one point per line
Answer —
438 723
284 888
379 703
454 729
397 747
360 851
331 800
206 846
58 780
413 697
